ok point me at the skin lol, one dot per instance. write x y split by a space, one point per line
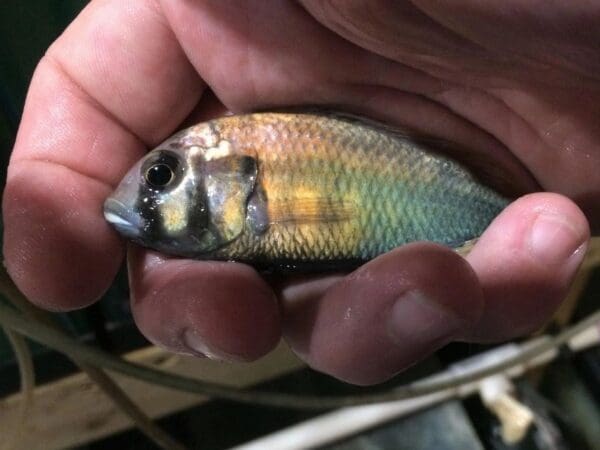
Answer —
517 81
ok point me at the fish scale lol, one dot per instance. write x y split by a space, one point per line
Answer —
401 191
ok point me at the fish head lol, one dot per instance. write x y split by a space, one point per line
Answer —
183 198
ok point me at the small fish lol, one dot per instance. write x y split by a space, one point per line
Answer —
298 191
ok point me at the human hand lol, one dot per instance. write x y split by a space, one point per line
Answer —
516 84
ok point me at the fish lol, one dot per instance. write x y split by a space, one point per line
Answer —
298 191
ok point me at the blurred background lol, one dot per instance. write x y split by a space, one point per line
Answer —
565 396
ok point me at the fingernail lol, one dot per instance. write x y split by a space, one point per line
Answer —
555 240
416 318
197 344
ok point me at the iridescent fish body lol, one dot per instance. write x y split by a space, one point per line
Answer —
294 190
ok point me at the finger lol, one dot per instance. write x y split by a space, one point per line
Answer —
114 81
525 262
217 309
497 26
386 315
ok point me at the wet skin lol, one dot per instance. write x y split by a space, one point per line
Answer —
516 83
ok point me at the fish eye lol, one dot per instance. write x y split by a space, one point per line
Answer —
159 175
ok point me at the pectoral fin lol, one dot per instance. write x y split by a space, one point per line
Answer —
310 210
229 181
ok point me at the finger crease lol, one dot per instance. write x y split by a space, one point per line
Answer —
105 184
57 65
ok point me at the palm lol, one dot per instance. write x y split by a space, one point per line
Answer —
127 77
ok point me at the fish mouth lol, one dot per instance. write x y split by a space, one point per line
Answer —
122 218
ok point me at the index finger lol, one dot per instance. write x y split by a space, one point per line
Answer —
113 83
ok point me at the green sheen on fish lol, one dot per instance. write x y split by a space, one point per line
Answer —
294 190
